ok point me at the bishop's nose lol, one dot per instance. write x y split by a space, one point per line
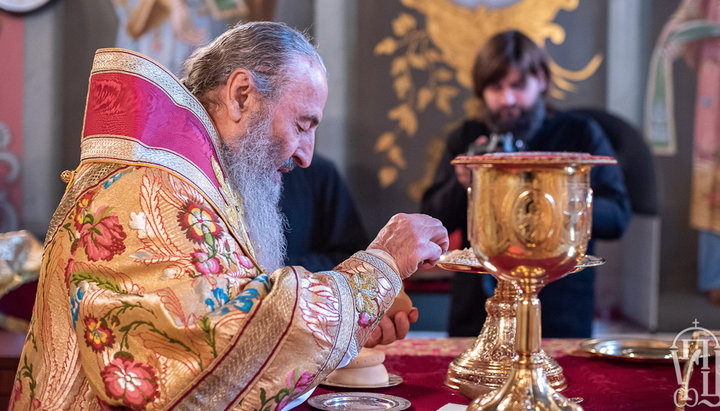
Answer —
303 154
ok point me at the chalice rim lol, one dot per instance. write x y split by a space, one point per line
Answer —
535 158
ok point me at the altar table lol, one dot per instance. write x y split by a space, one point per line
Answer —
604 384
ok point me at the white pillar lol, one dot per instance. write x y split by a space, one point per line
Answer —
626 62
637 254
42 134
335 23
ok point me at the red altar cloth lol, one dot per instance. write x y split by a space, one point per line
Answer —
603 384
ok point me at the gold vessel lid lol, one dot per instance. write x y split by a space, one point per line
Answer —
535 158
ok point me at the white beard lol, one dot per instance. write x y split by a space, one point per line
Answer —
252 172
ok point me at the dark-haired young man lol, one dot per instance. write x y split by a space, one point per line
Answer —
511 77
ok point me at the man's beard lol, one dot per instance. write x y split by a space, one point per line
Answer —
252 166
521 127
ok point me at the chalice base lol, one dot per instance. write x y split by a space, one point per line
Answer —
474 376
527 388
486 365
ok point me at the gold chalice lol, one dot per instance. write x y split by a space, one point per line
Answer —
529 220
486 365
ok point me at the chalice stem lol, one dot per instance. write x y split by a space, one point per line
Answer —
527 386
528 338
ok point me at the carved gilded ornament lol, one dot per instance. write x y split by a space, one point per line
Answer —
431 66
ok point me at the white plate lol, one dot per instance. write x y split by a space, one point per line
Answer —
358 401
393 380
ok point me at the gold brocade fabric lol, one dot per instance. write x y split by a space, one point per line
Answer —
147 300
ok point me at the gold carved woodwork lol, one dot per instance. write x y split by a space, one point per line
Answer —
431 66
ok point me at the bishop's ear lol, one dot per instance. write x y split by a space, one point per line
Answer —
237 91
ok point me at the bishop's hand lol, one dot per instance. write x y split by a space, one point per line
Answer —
415 241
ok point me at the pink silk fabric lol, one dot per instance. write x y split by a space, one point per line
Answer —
130 106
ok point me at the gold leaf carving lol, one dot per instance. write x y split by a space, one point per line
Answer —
579 75
399 65
472 107
459 31
387 175
432 60
406 117
433 55
402 85
444 95
442 74
387 46
557 93
432 158
396 156
384 142
417 61
403 23
563 84
425 96
562 78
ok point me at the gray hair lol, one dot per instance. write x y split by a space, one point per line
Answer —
266 49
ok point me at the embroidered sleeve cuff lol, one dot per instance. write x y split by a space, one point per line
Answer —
385 257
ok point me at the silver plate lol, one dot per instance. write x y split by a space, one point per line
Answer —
393 380
632 349
358 401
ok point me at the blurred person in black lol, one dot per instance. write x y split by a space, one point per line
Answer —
324 228
511 76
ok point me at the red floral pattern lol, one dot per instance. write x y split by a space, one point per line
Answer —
132 382
81 208
199 221
102 235
97 334
206 264
17 393
244 261
297 382
69 270
364 319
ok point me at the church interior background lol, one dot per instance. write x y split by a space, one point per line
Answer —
398 74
